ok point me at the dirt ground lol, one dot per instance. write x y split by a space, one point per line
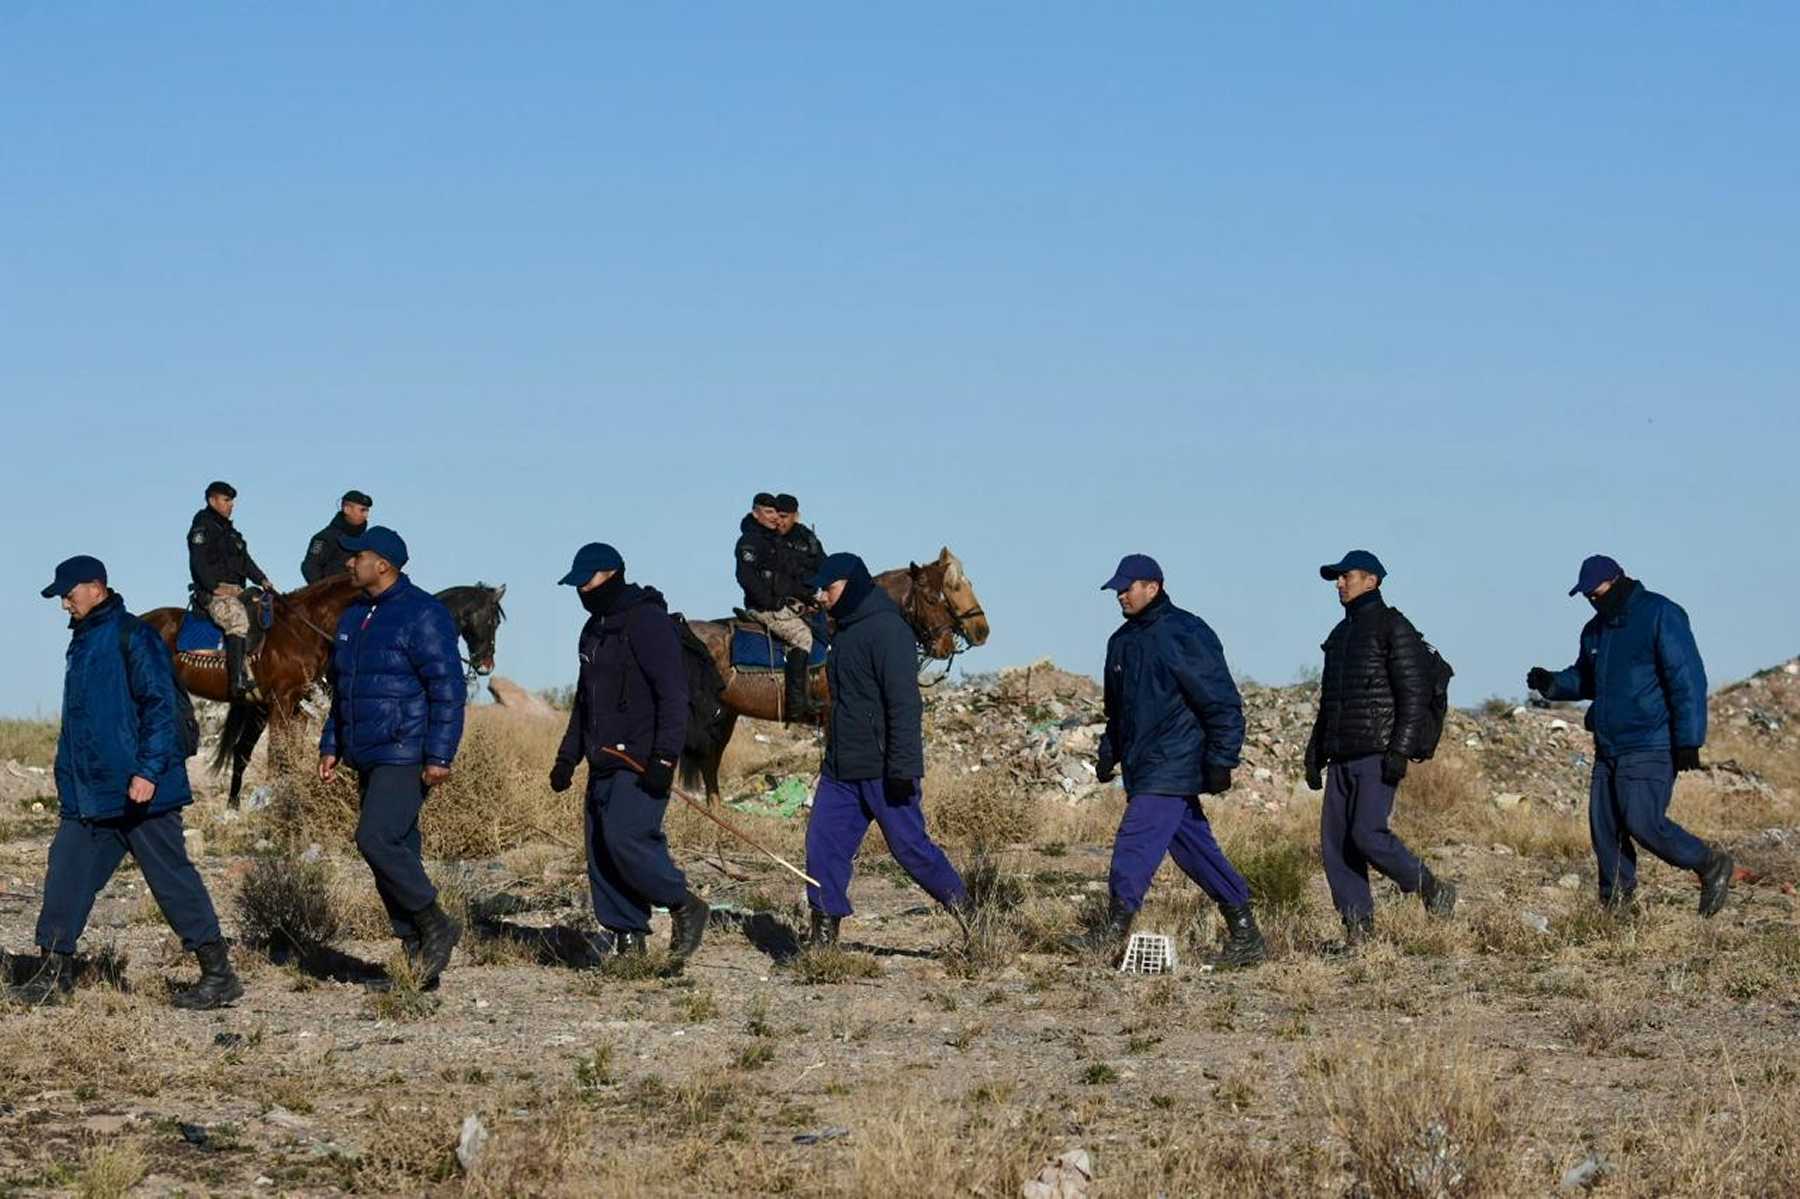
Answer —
1527 1043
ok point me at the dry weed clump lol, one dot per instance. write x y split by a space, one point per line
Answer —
1421 1118
286 903
110 1170
978 813
32 742
832 964
498 796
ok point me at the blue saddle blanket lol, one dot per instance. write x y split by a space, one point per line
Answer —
756 649
198 635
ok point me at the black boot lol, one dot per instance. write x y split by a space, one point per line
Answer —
797 706
237 668
1715 881
689 926
824 931
1108 936
438 935
53 982
1439 896
218 985
1243 941
1357 932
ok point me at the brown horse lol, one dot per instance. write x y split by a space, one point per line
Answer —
292 658
939 603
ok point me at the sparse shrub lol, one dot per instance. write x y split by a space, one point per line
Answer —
1278 873
1421 1120
109 1171
1099 1074
830 964
285 903
979 812
594 1072
402 999
755 1055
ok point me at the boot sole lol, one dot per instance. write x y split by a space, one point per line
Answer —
208 1004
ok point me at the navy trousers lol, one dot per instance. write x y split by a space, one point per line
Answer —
840 820
1354 834
387 836
1628 806
83 856
1156 826
629 867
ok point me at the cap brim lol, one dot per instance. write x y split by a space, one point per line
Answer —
51 592
1117 583
1331 574
1575 591
574 579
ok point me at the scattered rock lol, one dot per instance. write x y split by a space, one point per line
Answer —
1589 1171
515 698
1068 1177
1507 801
1535 921
1570 881
473 1140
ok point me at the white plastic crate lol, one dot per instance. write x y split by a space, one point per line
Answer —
1149 953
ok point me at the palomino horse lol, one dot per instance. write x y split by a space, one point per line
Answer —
293 655
938 602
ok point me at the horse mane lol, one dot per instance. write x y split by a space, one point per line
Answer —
469 593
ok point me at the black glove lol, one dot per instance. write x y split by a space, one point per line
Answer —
561 775
1687 757
899 790
1540 680
1315 778
1104 766
1393 768
657 778
1215 780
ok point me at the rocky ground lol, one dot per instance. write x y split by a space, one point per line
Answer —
1529 1046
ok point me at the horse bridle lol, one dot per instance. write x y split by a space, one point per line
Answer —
960 641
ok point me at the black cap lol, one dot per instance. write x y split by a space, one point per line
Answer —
590 558
354 496
762 499
216 487
82 568
786 504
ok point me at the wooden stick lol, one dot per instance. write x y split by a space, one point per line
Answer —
707 812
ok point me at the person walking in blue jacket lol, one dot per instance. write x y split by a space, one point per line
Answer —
628 723
121 782
1639 666
874 752
1174 728
397 696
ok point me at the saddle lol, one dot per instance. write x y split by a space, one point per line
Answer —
754 648
199 635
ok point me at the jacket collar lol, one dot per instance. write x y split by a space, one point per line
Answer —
1154 611
102 613
860 598
1362 605
209 514
343 526
748 526
1616 604
402 584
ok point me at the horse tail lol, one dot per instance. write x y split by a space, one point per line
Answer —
238 721
709 722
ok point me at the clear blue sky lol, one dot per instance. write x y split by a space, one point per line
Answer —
1483 288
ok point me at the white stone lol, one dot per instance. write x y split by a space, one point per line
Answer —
1570 881
473 1140
1506 801
1263 774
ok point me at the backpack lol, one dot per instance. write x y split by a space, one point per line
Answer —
1437 708
187 725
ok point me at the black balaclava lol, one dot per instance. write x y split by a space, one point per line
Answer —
601 599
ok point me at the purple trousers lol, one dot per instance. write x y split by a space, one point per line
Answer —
840 820
1354 833
1156 826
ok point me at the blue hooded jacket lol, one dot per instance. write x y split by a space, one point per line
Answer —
118 719
396 682
1642 669
1171 705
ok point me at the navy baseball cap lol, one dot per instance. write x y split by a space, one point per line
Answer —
378 539
82 568
1354 560
835 567
591 558
1133 567
1595 571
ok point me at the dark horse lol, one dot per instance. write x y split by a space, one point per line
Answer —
937 600
292 657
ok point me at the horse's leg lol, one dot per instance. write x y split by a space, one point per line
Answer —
244 749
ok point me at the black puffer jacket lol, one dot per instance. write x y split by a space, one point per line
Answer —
1375 694
872 668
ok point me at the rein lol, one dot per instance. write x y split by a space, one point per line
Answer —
920 617
294 611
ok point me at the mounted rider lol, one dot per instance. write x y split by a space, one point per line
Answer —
325 557
776 557
220 566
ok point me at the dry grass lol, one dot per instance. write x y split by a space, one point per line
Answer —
32 742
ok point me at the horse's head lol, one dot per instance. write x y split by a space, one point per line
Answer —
478 614
944 611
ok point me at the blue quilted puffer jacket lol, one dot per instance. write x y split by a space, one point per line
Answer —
396 682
